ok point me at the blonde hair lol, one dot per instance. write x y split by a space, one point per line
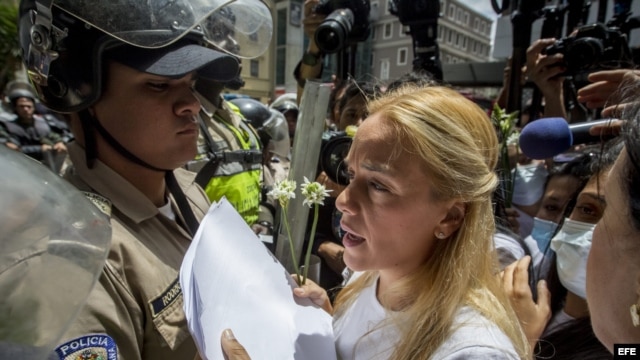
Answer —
459 150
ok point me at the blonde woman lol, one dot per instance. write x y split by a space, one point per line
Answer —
419 227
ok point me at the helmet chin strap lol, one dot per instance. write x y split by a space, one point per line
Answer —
90 122
93 121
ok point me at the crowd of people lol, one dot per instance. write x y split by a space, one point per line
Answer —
421 259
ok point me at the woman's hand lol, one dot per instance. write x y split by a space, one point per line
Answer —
533 316
315 293
231 348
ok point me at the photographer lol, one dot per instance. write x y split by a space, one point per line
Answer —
310 66
545 71
590 49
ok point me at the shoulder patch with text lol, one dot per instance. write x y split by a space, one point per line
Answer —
89 347
101 202
168 297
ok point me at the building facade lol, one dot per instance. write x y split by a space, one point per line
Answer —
464 35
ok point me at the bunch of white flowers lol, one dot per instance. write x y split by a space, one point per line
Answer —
314 194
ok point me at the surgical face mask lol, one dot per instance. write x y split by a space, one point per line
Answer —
542 231
572 244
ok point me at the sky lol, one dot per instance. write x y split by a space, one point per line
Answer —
483 6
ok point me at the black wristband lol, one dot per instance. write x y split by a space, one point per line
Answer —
298 77
311 59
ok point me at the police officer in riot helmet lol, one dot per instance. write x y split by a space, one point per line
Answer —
269 123
273 133
123 74
229 160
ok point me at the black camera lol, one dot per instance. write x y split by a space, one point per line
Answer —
593 47
347 22
335 147
421 18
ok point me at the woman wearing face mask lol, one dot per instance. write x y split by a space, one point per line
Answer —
564 182
560 317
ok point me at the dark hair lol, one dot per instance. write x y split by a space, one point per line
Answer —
630 174
573 340
417 77
358 88
630 181
336 93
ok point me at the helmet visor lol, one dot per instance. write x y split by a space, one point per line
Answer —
242 28
157 23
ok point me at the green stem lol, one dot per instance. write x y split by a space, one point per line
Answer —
506 177
307 257
512 181
293 252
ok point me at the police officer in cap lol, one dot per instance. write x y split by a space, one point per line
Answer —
123 73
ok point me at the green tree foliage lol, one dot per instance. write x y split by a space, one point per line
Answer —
10 59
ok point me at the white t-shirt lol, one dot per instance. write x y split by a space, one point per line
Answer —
361 333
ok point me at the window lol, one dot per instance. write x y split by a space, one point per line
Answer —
402 56
280 62
466 18
281 42
441 34
388 31
476 24
281 38
464 43
452 12
384 69
373 32
374 7
403 30
459 15
483 27
450 37
457 44
255 68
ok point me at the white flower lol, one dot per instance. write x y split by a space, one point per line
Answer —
314 193
513 138
283 191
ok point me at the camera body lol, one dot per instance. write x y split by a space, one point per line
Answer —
593 47
347 23
335 147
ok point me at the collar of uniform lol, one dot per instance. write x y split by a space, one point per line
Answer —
224 111
106 182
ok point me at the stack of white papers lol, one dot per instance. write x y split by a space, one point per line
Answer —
230 280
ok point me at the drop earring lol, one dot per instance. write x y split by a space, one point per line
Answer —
440 235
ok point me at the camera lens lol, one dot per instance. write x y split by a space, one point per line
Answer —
584 53
332 157
332 34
